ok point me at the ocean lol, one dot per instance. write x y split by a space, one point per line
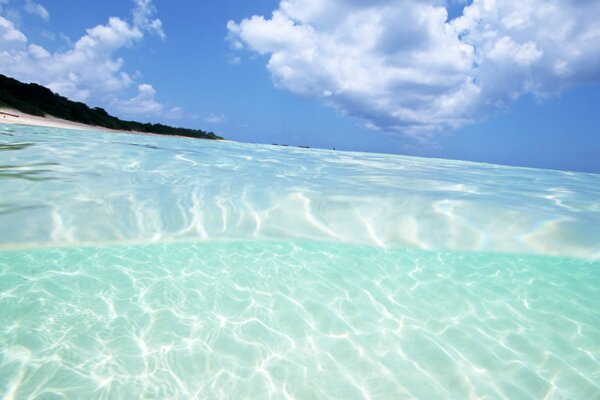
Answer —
136 266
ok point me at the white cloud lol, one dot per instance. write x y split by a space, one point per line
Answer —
37 9
505 49
143 103
38 51
143 15
10 35
215 118
403 67
10 12
89 70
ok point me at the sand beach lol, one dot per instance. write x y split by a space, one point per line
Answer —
11 116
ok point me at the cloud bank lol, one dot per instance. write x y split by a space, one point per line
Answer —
89 70
402 66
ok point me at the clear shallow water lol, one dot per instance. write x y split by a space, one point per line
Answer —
302 319
138 266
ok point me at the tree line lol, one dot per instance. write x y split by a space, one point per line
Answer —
35 99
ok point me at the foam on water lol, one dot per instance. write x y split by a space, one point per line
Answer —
150 267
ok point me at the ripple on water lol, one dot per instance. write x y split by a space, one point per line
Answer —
299 319
103 187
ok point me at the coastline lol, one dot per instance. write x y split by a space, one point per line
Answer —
11 116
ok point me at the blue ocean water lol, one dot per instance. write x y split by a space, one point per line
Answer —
154 267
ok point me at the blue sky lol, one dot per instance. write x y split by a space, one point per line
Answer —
496 81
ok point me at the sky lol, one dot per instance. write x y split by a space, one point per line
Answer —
496 81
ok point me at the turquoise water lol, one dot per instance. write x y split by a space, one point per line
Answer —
148 267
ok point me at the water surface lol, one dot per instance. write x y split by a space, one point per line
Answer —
153 267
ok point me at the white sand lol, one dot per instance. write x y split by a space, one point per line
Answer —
10 116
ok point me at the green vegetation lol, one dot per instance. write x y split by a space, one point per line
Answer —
38 100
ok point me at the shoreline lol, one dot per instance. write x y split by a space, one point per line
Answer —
11 116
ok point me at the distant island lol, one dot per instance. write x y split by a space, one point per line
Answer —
38 100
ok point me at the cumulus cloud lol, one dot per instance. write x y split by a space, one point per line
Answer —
37 9
38 51
10 36
89 70
143 103
403 66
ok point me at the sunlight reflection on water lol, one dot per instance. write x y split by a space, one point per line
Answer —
140 188
149 267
